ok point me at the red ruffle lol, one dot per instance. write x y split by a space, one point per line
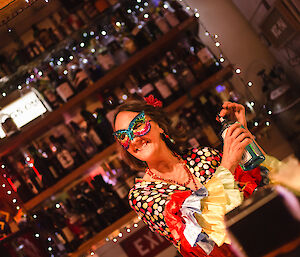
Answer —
248 180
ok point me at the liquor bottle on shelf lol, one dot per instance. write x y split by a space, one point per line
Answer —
157 79
50 237
44 148
41 164
97 123
169 13
62 230
118 53
32 174
76 72
113 203
62 86
183 73
27 176
16 181
145 85
186 53
88 147
170 77
62 154
204 54
44 36
161 22
120 187
45 88
128 43
104 58
180 13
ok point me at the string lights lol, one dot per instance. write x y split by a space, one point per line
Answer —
222 58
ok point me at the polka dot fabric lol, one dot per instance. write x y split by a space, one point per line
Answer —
149 199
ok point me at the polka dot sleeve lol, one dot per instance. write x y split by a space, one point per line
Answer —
149 199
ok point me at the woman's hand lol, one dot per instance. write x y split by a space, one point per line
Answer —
235 141
234 112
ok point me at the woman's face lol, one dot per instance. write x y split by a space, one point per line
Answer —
145 147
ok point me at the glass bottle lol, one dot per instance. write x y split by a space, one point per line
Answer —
88 147
252 155
44 36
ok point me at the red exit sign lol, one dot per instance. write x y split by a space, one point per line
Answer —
144 243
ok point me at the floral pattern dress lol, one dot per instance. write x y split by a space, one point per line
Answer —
162 206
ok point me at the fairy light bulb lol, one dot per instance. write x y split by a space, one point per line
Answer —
206 33
146 15
61 59
255 123
250 84
252 103
269 112
14 200
128 230
238 71
222 59
37 235
81 44
135 225
197 15
9 192
3 94
103 33
267 123
3 185
84 34
115 240
217 44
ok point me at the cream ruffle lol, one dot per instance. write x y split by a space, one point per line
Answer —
223 196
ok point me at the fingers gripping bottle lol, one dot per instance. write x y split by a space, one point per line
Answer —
252 155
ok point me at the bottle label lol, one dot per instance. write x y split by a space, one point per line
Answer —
65 159
122 191
95 138
79 77
163 88
245 158
106 61
69 235
147 89
171 18
172 81
205 56
162 25
64 91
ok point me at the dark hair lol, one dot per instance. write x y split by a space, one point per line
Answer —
160 117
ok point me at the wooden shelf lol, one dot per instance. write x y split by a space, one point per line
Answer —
85 247
61 184
44 123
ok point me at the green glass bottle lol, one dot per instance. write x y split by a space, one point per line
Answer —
252 155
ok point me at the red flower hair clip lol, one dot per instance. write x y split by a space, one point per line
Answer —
151 100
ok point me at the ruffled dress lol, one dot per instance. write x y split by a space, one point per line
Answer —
192 220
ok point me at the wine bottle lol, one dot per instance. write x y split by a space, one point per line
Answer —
83 140
62 154
16 180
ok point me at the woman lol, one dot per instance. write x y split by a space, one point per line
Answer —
182 196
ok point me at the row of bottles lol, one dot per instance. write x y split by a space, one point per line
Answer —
86 209
46 160
198 119
134 24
